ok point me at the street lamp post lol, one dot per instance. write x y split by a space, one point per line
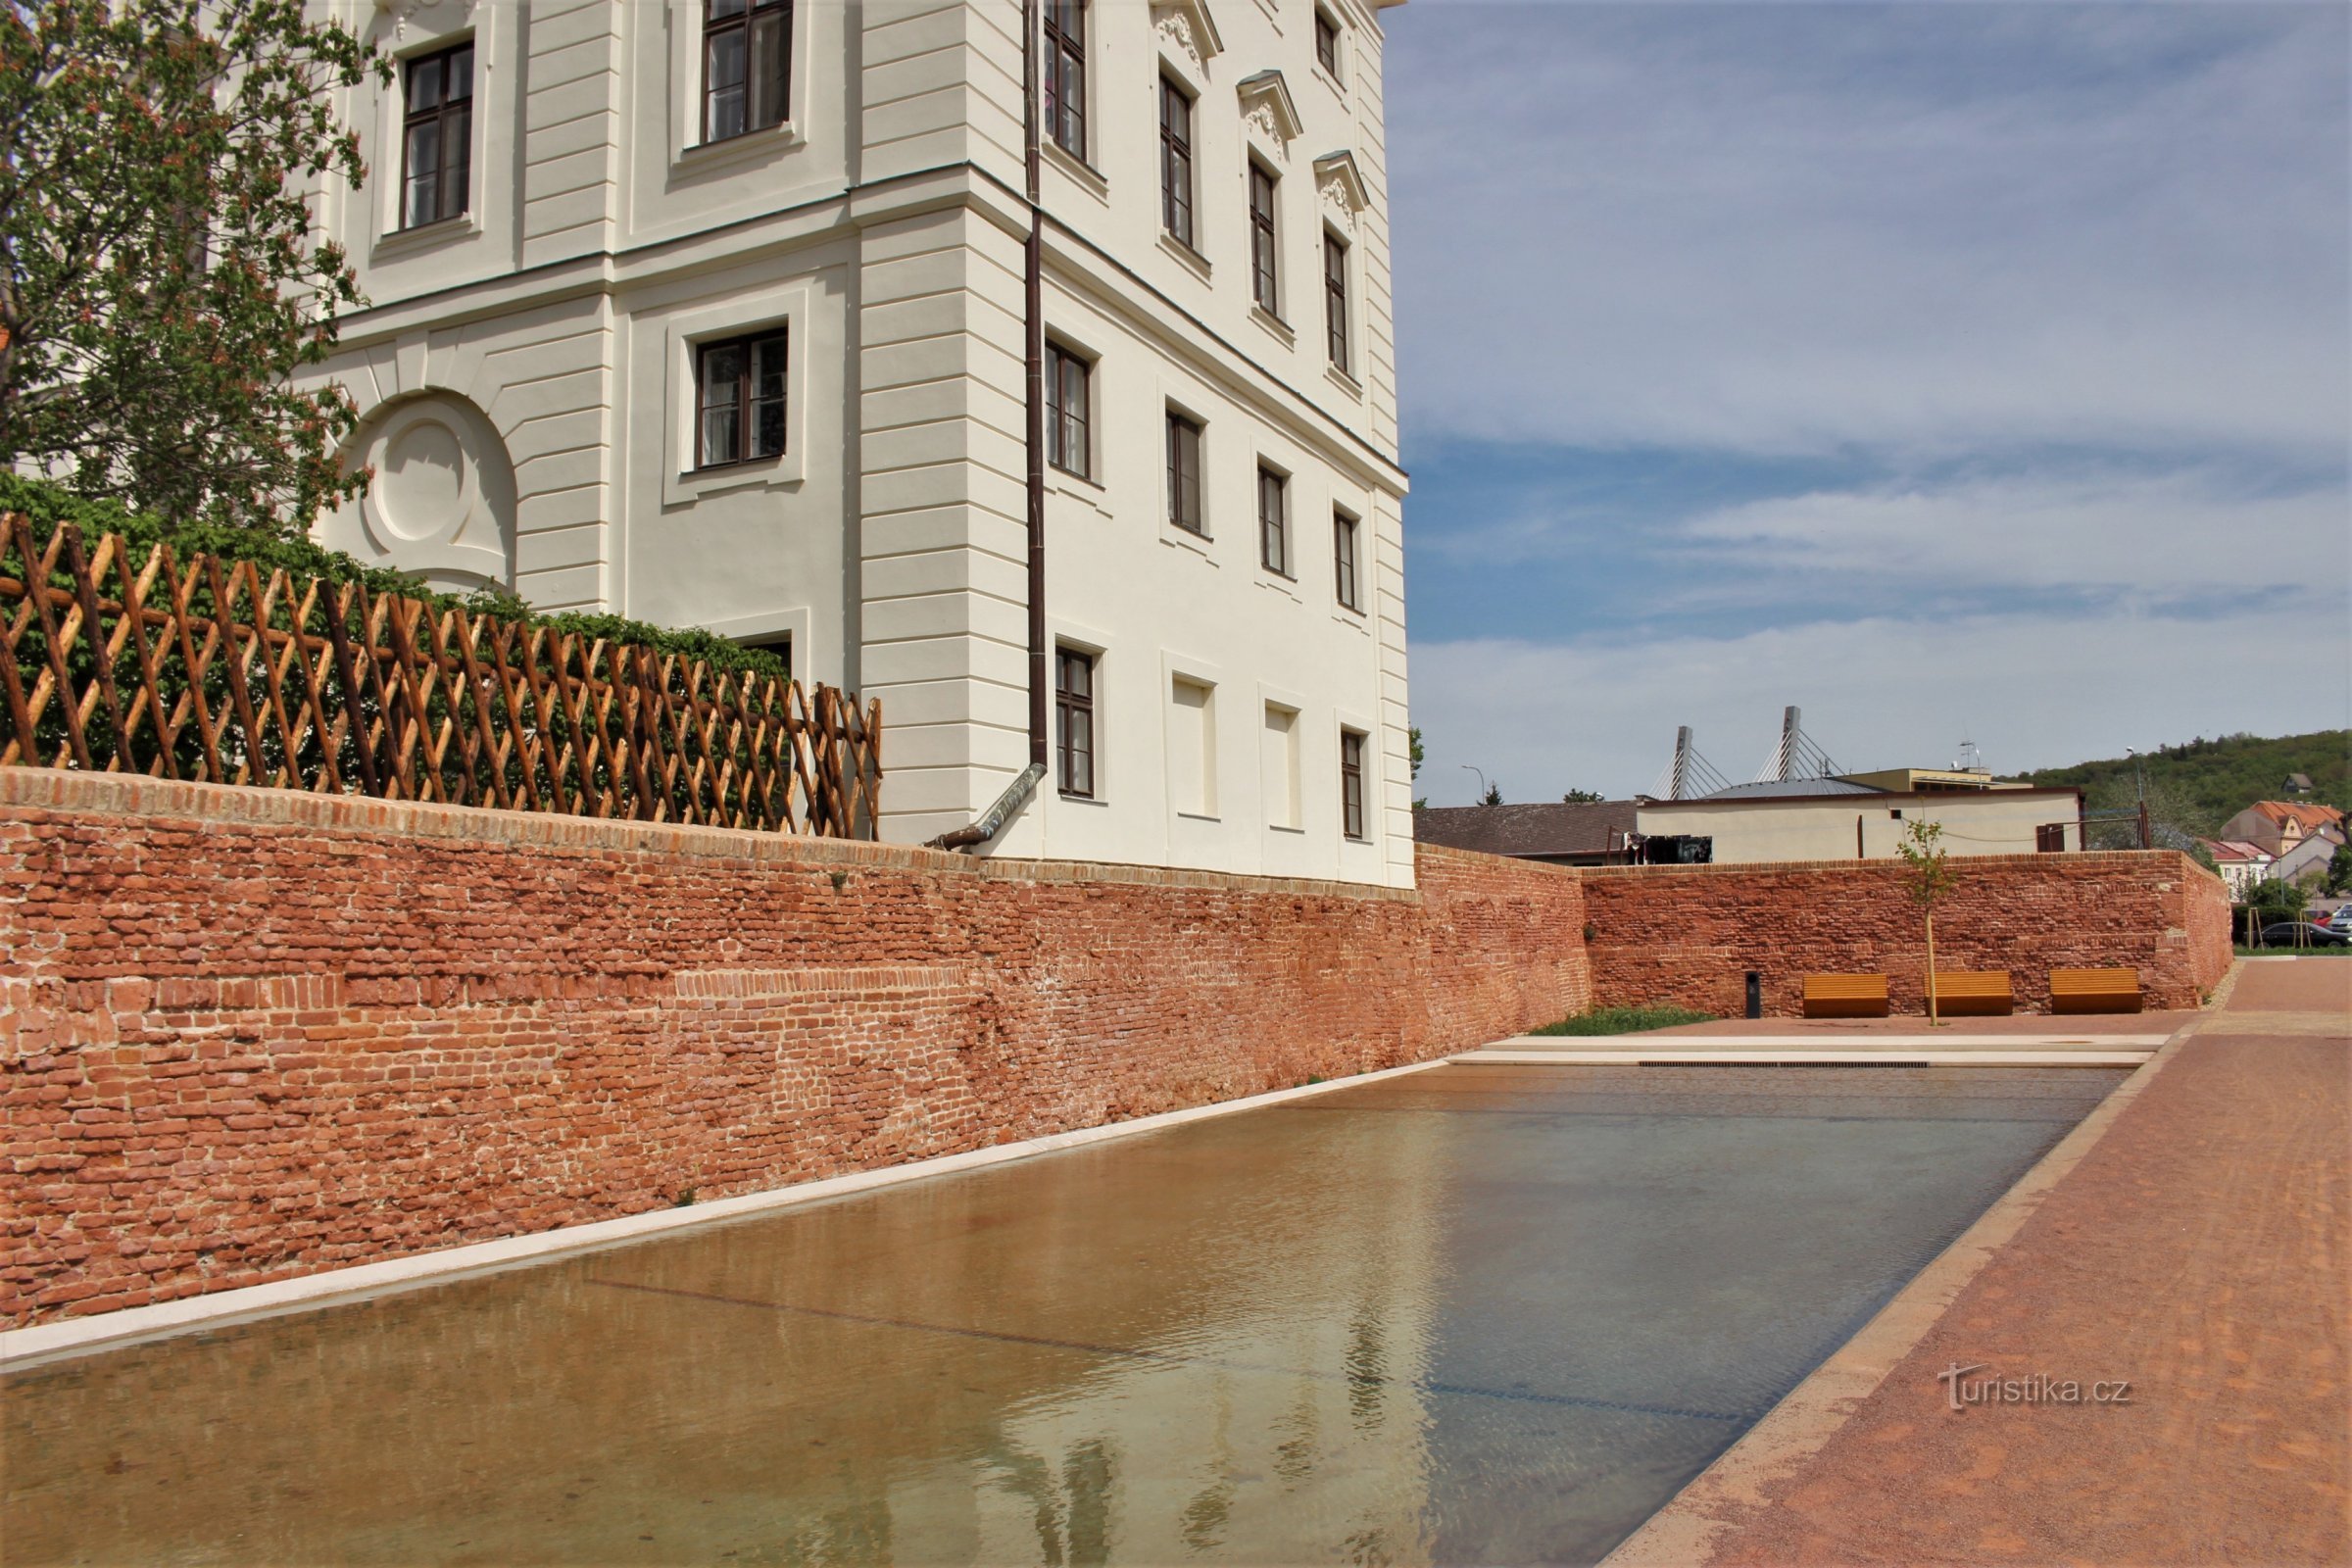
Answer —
1483 791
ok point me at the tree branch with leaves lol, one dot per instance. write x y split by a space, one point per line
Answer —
160 279
1929 879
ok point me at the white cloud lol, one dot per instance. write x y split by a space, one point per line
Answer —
2032 691
1920 228
2178 535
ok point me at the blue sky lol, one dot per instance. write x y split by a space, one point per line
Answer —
1954 371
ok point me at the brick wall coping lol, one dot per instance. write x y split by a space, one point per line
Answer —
1958 863
81 1336
50 789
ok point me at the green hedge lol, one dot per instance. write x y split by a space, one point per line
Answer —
48 505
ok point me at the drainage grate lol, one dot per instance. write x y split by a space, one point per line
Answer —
1773 1061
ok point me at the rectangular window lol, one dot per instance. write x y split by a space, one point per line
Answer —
747 59
779 645
1327 43
1066 393
1343 559
739 400
1183 473
1074 707
1176 161
1273 529
437 137
1335 297
1065 74
1261 241
1351 783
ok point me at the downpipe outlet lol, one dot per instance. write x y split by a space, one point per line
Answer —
993 820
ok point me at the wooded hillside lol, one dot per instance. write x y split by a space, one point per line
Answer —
2203 783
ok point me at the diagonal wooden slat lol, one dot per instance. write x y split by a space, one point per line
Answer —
197 660
214 669
56 638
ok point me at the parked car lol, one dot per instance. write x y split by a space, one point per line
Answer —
2303 934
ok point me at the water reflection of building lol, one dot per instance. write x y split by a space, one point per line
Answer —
1208 1339
1289 1426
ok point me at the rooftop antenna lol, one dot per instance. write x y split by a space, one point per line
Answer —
1970 760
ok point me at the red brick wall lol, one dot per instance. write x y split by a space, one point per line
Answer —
248 1035
1688 935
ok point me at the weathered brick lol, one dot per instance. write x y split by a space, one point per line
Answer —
276 1053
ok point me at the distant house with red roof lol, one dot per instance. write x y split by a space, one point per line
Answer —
2278 826
2240 863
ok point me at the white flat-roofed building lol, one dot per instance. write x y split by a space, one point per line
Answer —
1843 818
715 312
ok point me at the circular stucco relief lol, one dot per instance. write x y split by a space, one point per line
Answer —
440 501
421 480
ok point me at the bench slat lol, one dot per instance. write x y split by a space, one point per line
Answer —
2095 991
1845 996
1975 993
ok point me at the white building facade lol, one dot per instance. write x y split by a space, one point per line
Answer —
717 313
1834 819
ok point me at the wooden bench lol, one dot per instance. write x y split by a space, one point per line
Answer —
1845 996
2095 989
1973 994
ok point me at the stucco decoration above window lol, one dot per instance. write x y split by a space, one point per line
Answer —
1188 29
1269 112
432 18
441 501
1343 187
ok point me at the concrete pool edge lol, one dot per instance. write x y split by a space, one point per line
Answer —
1685 1528
40 1342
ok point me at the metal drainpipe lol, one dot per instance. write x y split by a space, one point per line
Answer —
1033 291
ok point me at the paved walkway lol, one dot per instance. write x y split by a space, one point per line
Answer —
2200 1249
1862 1031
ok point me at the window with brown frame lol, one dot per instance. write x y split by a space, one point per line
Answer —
1335 297
1262 246
747 64
1065 74
739 400
1343 559
1351 783
1068 391
1183 473
1327 42
437 136
1273 521
1074 709
780 645
1176 161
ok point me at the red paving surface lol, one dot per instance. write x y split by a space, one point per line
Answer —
2200 1250
2085 1024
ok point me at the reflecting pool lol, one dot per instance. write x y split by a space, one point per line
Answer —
1481 1313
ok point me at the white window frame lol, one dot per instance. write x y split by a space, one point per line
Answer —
390 239
685 332
687 152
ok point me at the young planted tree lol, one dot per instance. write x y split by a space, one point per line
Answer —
1929 878
160 279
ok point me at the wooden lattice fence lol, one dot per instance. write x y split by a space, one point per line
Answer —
195 667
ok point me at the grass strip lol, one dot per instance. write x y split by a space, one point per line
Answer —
1624 1021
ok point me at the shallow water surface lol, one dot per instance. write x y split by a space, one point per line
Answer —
1480 1314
